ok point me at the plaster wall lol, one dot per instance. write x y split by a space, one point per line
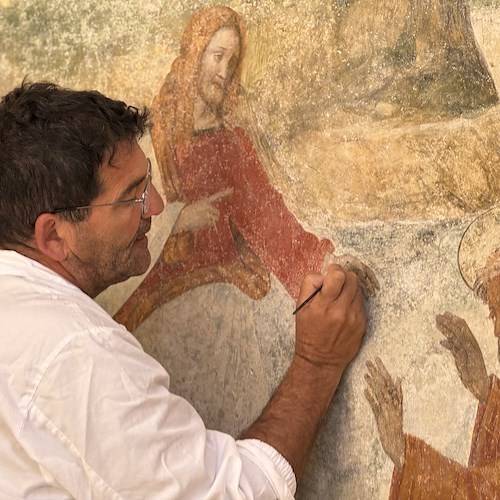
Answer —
396 189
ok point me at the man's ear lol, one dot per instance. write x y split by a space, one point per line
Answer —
51 236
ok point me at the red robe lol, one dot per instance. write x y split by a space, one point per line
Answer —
224 159
211 162
428 475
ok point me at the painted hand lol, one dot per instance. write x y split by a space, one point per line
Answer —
386 400
200 214
462 344
366 277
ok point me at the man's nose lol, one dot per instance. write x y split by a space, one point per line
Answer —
156 204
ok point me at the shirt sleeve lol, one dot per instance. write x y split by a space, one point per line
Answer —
259 458
103 424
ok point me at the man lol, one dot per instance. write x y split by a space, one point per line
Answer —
235 227
84 412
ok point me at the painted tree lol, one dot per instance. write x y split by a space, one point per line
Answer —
400 56
416 55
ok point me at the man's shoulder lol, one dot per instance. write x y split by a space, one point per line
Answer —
46 327
30 290
41 313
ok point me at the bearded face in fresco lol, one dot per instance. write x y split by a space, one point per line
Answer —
494 302
487 287
217 67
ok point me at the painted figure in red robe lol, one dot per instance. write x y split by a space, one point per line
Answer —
234 227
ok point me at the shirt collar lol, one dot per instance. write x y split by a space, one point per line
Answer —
13 263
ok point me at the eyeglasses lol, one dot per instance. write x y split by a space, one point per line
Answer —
143 199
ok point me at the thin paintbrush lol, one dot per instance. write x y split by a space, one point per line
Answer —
307 300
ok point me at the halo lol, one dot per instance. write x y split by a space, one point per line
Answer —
479 241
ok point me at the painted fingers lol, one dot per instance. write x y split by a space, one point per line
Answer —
383 393
463 346
223 193
385 397
367 280
458 336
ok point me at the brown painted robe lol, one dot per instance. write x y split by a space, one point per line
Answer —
428 475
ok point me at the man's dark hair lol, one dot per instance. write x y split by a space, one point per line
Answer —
52 143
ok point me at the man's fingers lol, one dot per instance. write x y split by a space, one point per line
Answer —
350 290
310 284
333 282
357 300
336 285
343 292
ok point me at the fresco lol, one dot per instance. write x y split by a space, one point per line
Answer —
375 125
235 227
420 471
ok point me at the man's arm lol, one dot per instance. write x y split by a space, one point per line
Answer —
329 330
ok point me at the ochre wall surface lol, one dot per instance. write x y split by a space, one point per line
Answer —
379 125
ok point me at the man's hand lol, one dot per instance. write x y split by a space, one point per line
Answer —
200 214
386 400
329 329
462 344
366 277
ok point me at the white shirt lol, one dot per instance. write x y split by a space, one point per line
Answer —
85 413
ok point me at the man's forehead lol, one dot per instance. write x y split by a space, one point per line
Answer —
127 161
119 153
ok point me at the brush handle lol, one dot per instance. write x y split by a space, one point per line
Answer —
307 300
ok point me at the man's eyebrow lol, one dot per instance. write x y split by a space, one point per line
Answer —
131 187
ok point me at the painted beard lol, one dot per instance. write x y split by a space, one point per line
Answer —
212 94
